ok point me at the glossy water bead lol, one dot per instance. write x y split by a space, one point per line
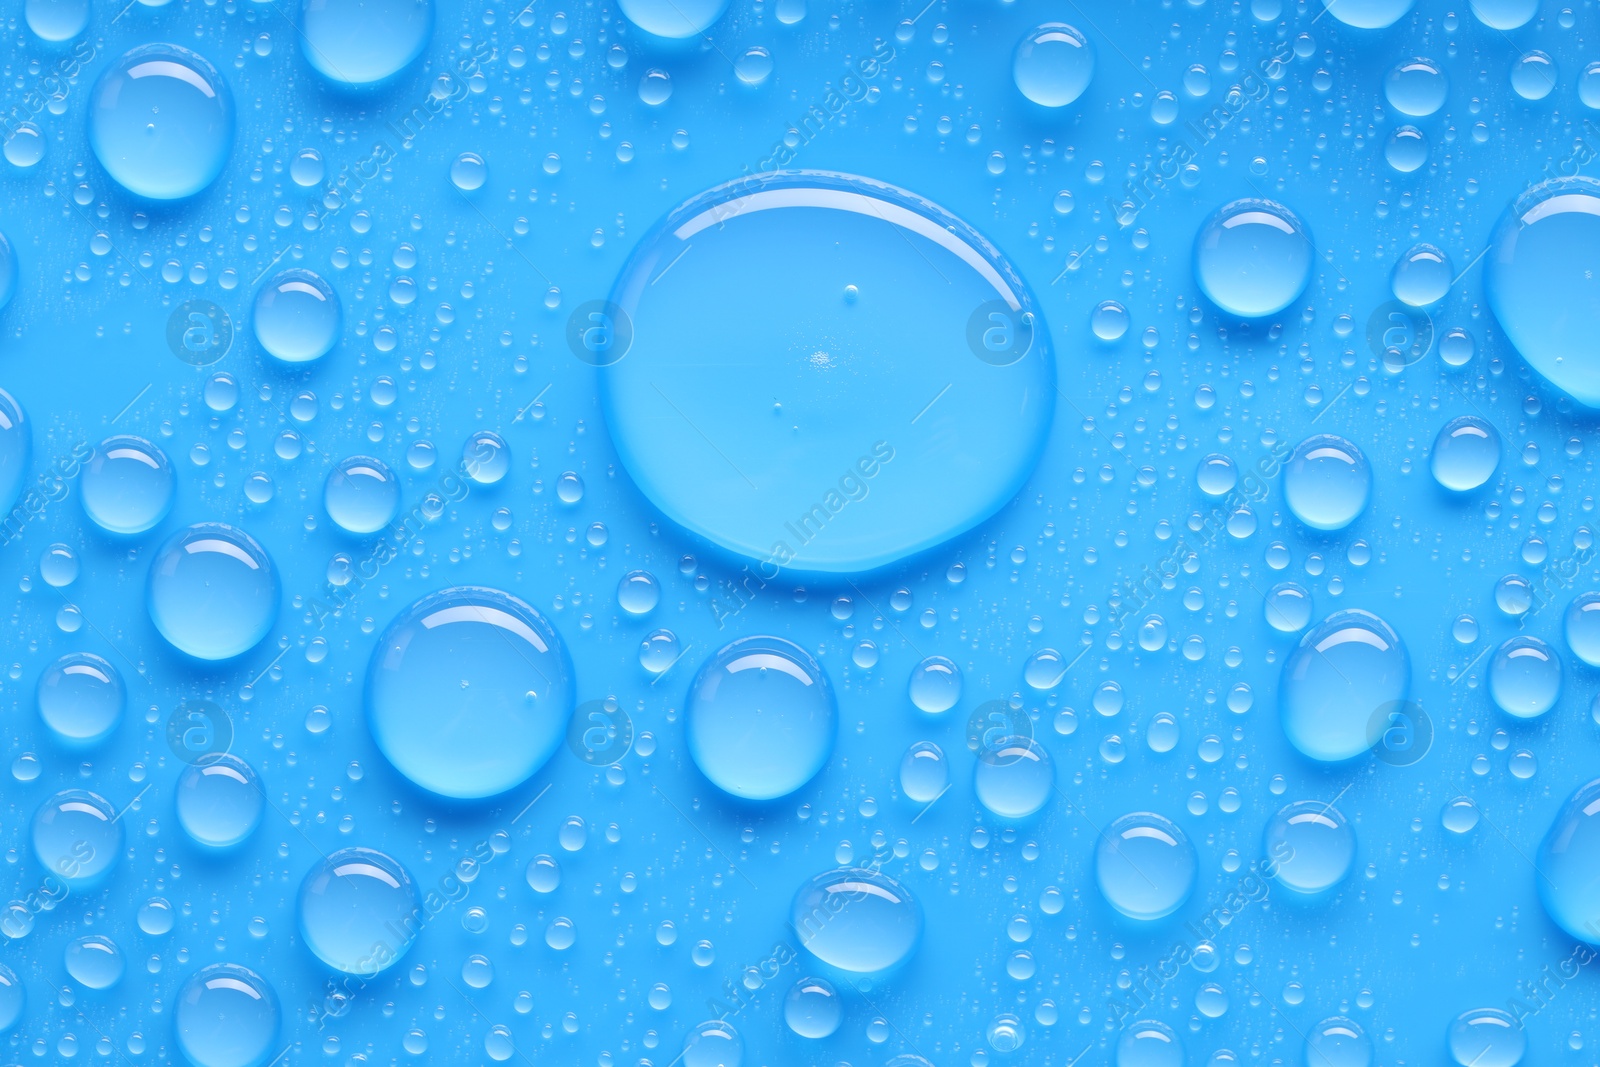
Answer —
360 43
1149 1043
220 801
1338 1042
1145 866
1344 675
212 591
1053 64
1582 627
857 920
1014 777
1368 14
1487 1037
80 698
12 998
1422 276
297 316
94 961
16 449
1309 847
813 1008
361 495
924 772
1416 87
8 258
469 692
1253 258
485 458
1569 859
1327 482
227 1016
161 122
1504 14
56 20
935 685
1466 453
673 19
761 718
1525 677
77 837
359 911
128 486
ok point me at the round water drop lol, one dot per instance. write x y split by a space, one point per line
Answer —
1109 320
638 592
58 566
212 591
1053 64
1406 149
753 66
761 718
543 874
127 486
12 998
361 494
1014 777
220 801
156 917
1044 669
713 1044
1504 14
1460 815
359 911
469 692
813 1008
469 172
24 147
1327 482
673 19
1487 1037
1153 633
1589 85
655 87
1368 14
1148 1043
857 920
935 685
1583 627
306 169
658 651
77 837
1422 276
161 122
56 20
1253 258
830 479
94 962
359 43
1569 862
1534 76
1338 1042
1145 866
1216 475
1525 677
924 773
1513 595
1465 454
16 435
297 316
1310 847
227 1016
486 458
1416 87
1345 671
1288 607
1162 736
81 698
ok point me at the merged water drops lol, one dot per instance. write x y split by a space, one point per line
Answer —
857 920
1053 64
1340 679
1465 454
362 495
1327 482
161 122
1525 677
1309 847
81 698
469 692
361 43
128 486
297 316
1145 866
359 911
213 591
226 1016
220 801
1253 258
760 719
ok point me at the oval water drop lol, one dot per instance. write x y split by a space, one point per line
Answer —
1337 683
1465 454
857 920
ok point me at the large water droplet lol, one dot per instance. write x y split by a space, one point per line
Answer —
1288 607
1338 1042
1504 14
1014 777
94 961
227 1016
161 122
1465 454
213 592
713 1044
1148 1043
1487 1037
364 42
1309 846
1368 14
1525 677
1053 64
16 447
1327 482
1569 865
813 1008
1253 258
77 837
1582 626
128 485
81 697
820 450
857 920
297 316
935 685
1343 673
220 801
1417 87
469 692
57 20
674 19
1145 866
361 494
761 718
359 911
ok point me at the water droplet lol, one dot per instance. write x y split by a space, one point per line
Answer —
1338 1042
1309 847
81 698
24 148
1344 671
161 122
1367 14
1145 866
213 591
1487 1037
94 961
469 172
306 169
1148 1043
12 998
857 920
364 42
1253 258
16 435
713 1044
753 66
362 495
924 773
227 1016
219 801
1053 64
128 485
1288 607
658 651
1422 276
1327 482
1014 777
1217 475
1406 150
297 316
359 911
1416 87
1044 669
1504 14
77 837
813 1008
1583 627
1109 320
1525 677
676 19
638 592
486 458
1465 454
935 685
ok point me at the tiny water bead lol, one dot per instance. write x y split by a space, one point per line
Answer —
761 718
673 20
1288 607
1149 1043
220 801
359 911
469 692
212 591
1416 87
1466 453
1368 14
81 698
1145 866
161 122
128 485
813 1008
360 43
1338 1042
1253 258
77 837
1053 64
1216 475
1582 627
1014 777
486 458
361 495
1422 276
227 1016
638 592
1525 677
935 685
16 447
1327 482
469 172
1487 1037
924 773
1538 278
1338 681
1309 846
297 316
857 920
94 961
